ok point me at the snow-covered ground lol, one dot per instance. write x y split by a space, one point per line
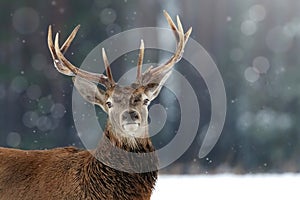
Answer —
232 187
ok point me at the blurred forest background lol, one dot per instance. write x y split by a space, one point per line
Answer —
255 44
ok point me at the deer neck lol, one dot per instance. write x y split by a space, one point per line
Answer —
116 166
116 151
128 143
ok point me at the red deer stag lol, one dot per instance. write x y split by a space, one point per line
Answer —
70 173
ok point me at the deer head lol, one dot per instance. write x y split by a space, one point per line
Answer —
126 106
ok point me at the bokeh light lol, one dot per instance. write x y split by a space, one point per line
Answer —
257 13
261 64
251 75
278 40
265 119
26 20
13 139
45 104
108 16
30 119
33 92
245 121
248 27
19 84
58 111
44 123
113 29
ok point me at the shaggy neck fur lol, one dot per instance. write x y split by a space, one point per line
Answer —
123 171
129 143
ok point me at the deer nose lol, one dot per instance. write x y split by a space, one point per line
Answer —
130 115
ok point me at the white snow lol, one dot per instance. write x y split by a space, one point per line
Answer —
233 187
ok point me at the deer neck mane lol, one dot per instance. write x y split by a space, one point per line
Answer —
127 142
114 150
114 158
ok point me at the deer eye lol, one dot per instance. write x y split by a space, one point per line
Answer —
136 100
109 104
146 101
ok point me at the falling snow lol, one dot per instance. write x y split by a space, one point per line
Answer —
256 53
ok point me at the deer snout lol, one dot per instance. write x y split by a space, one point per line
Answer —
130 116
130 120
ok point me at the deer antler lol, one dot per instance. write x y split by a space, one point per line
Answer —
140 63
67 68
152 75
155 75
107 67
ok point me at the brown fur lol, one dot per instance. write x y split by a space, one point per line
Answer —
71 174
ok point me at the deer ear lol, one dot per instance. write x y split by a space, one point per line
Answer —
90 91
153 88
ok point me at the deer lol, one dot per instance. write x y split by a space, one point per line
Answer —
70 173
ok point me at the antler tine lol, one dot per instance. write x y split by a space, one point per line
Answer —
67 68
156 74
66 44
187 34
182 39
140 62
174 28
171 24
180 28
58 65
107 67
69 40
